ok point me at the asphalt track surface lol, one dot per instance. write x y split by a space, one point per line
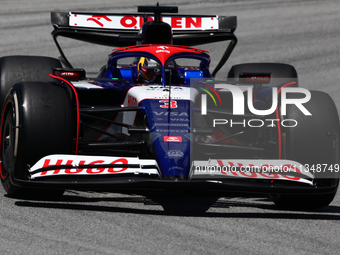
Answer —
305 34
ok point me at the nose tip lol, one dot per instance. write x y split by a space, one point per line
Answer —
175 177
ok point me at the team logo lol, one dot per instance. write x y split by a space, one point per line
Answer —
162 49
175 154
173 139
97 18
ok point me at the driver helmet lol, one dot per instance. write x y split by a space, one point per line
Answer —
148 70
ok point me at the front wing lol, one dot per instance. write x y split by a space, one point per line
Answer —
142 176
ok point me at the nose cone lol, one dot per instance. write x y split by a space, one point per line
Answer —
173 158
170 136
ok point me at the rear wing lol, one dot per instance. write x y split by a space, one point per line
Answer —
120 30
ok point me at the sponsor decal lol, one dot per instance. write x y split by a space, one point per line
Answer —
175 154
96 19
136 21
180 114
171 130
163 49
90 170
264 78
67 74
173 139
132 101
91 165
171 125
178 119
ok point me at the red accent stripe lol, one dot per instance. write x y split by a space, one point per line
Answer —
77 102
278 122
2 121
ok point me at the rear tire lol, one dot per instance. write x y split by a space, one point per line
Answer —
15 69
36 122
312 142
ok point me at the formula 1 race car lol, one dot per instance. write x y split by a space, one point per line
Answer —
155 122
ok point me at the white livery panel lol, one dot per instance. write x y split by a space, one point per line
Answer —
155 92
134 22
136 94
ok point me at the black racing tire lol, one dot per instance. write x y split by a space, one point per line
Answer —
280 73
36 121
312 142
15 69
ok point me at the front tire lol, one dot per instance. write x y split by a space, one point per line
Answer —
36 121
312 142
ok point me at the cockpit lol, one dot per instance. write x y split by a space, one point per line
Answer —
144 68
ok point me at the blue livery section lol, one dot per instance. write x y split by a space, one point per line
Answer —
170 136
